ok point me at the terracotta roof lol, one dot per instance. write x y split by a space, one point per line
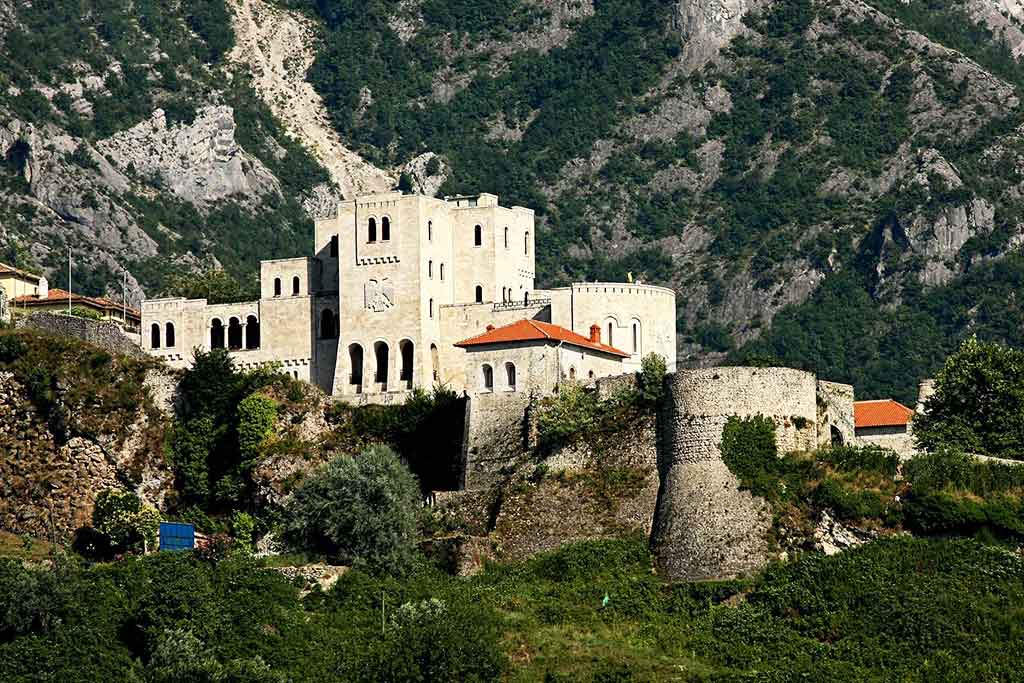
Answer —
56 295
11 270
535 330
881 413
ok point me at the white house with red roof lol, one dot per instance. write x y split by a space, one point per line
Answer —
884 422
533 356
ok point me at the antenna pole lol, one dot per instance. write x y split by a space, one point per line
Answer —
69 279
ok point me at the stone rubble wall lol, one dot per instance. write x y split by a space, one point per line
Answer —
107 336
835 410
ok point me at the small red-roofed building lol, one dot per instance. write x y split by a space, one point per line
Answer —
884 422
534 356
60 301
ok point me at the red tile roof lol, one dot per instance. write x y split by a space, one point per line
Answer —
56 295
535 330
881 413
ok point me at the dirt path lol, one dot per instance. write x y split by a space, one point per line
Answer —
276 47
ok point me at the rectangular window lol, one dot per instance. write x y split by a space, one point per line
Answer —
334 246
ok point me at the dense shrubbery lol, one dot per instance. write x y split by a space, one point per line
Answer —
127 522
362 509
903 609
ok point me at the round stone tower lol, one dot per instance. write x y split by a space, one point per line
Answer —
705 527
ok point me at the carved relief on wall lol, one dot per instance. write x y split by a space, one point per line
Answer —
380 295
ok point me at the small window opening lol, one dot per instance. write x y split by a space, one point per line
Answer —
478 236
385 229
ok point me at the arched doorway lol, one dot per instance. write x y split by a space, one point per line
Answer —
252 332
234 334
216 334
169 335
406 348
154 336
355 365
380 355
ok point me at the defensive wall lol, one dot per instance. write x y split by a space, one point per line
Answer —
705 527
105 335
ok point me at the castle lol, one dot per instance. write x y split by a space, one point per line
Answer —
407 291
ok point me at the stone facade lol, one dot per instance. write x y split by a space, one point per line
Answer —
835 414
394 282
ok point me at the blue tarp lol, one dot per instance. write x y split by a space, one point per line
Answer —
177 536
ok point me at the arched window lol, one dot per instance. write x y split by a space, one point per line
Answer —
636 336
526 298
430 308
371 230
526 244
479 294
487 377
610 328
510 376
506 237
296 285
154 336
216 334
355 365
334 246
590 374
430 231
252 332
442 272
328 325
430 269
169 335
234 334
406 348
277 286
385 229
435 363
478 236
572 373
380 353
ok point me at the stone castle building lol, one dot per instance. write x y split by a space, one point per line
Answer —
396 282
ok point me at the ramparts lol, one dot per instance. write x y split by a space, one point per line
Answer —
107 336
705 527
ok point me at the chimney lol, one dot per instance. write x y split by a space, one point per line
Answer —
595 333
44 288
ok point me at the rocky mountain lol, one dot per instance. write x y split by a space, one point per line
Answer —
834 185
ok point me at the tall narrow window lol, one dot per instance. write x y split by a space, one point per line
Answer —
442 272
430 231
385 229
479 294
526 244
169 336
334 246
154 336
478 235
296 285
277 286
252 332
406 349
234 334
488 378
380 352
430 269
430 308
355 361
371 230
510 376
610 335
636 336
506 237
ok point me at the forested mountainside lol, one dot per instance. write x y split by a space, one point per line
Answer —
832 185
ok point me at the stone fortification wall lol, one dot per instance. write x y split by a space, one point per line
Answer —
705 527
107 336
496 438
835 414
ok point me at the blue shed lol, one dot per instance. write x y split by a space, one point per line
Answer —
177 536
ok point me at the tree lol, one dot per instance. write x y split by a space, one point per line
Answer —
651 378
978 405
123 518
215 285
361 509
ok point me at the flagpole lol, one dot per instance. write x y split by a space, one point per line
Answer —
69 279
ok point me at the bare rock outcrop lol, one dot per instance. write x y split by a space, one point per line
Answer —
423 180
706 26
200 162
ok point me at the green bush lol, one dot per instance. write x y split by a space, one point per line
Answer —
651 379
129 523
257 415
571 413
749 451
243 527
361 509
